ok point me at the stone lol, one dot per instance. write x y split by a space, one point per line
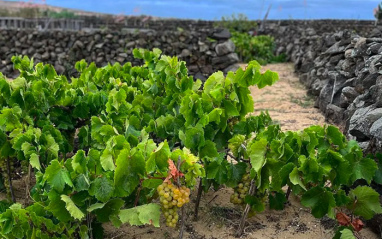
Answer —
99 46
373 48
325 96
317 86
362 120
233 68
223 62
185 53
221 34
45 56
78 44
200 76
59 69
350 93
334 114
360 47
225 48
130 44
335 49
366 82
376 129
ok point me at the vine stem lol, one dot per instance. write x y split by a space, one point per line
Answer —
288 193
182 210
246 210
198 197
138 194
10 180
28 182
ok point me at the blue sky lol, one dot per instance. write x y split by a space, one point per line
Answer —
215 9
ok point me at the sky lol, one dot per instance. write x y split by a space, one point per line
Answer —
215 9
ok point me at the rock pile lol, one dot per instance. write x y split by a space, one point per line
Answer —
205 51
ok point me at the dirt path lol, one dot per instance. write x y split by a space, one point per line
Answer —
287 101
288 104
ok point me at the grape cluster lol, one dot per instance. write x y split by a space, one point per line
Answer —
241 190
172 197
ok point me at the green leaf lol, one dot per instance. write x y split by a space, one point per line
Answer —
319 200
295 179
230 109
141 215
79 162
81 183
102 189
235 173
35 161
161 156
193 138
74 211
341 198
257 152
256 203
107 160
347 234
364 202
268 78
277 200
95 206
335 136
217 170
364 168
378 173
128 172
57 176
109 209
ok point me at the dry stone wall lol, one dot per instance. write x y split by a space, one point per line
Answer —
343 70
205 51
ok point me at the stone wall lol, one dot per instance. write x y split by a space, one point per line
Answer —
343 70
205 51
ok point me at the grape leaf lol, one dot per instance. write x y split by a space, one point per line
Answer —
277 200
295 179
364 202
102 188
128 172
35 161
347 234
57 176
364 168
74 211
141 215
378 173
319 200
256 153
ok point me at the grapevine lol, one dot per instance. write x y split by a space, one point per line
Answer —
100 146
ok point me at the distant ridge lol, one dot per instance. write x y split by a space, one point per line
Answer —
15 6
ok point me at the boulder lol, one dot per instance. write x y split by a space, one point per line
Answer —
225 48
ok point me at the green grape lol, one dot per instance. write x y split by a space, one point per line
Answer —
172 197
241 190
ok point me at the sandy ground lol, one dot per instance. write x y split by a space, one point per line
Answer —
287 103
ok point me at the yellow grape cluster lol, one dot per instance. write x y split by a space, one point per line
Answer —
241 190
172 197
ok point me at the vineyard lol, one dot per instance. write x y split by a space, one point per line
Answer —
125 144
